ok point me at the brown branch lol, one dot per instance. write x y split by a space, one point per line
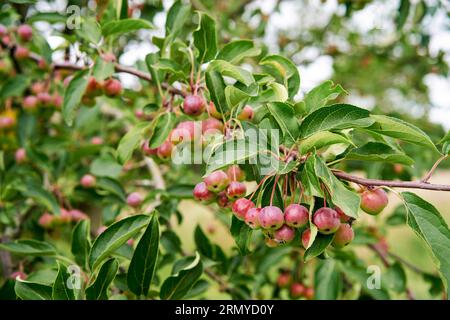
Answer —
391 183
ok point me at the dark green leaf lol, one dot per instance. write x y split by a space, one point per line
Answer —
130 141
125 26
205 38
73 95
99 289
377 151
242 235
161 128
61 291
81 242
29 248
321 242
237 50
327 281
32 291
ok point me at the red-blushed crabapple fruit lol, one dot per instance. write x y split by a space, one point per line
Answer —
46 220
37 87
342 216
374 201
97 140
77 215
139 114
57 100
164 151
6 122
30 103
284 234
398 168
42 64
306 235
271 217
297 290
236 190
21 53
25 32
64 216
211 126
271 243
6 40
193 105
185 131
222 200
284 279
93 88
309 293
343 236
326 220
201 193
241 206
44 98
88 181
217 181
235 173
147 150
18 274
20 155
134 199
247 113
108 57
112 87
296 215
3 30
251 218
212 111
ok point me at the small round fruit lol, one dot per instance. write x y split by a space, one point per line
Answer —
309 293
236 190
374 201
18 275
271 217
21 53
77 215
44 98
184 132
235 173
284 279
164 151
93 88
251 218
326 220
97 141
247 113
306 235
46 220
271 243
212 111
88 181
297 290
222 200
241 207
112 87
193 105
342 216
37 87
296 215
284 234
343 236
201 193
25 32
217 181
147 150
20 155
30 102
134 199
211 126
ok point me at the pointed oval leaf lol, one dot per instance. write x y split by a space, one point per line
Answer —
99 289
61 290
237 50
29 248
26 290
73 94
81 242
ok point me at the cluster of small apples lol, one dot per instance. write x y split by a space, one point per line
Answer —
41 97
297 289
221 187
50 221
134 199
21 35
110 87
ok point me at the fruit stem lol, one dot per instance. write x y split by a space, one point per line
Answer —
258 186
273 189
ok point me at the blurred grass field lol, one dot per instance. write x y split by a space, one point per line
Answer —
401 239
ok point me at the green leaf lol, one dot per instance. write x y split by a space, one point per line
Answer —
115 236
227 69
60 289
111 186
234 96
402 130
335 117
130 141
395 278
177 16
102 69
205 38
90 30
73 94
37 193
200 287
345 199
29 248
26 290
50 17
235 51
14 87
377 151
321 242
285 71
181 191
319 96
99 289
285 118
125 26
142 265
203 244
429 225
161 128
322 139
81 242
402 14
216 87
327 281
177 286
106 166
242 235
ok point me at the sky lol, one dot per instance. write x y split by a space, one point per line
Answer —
305 13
